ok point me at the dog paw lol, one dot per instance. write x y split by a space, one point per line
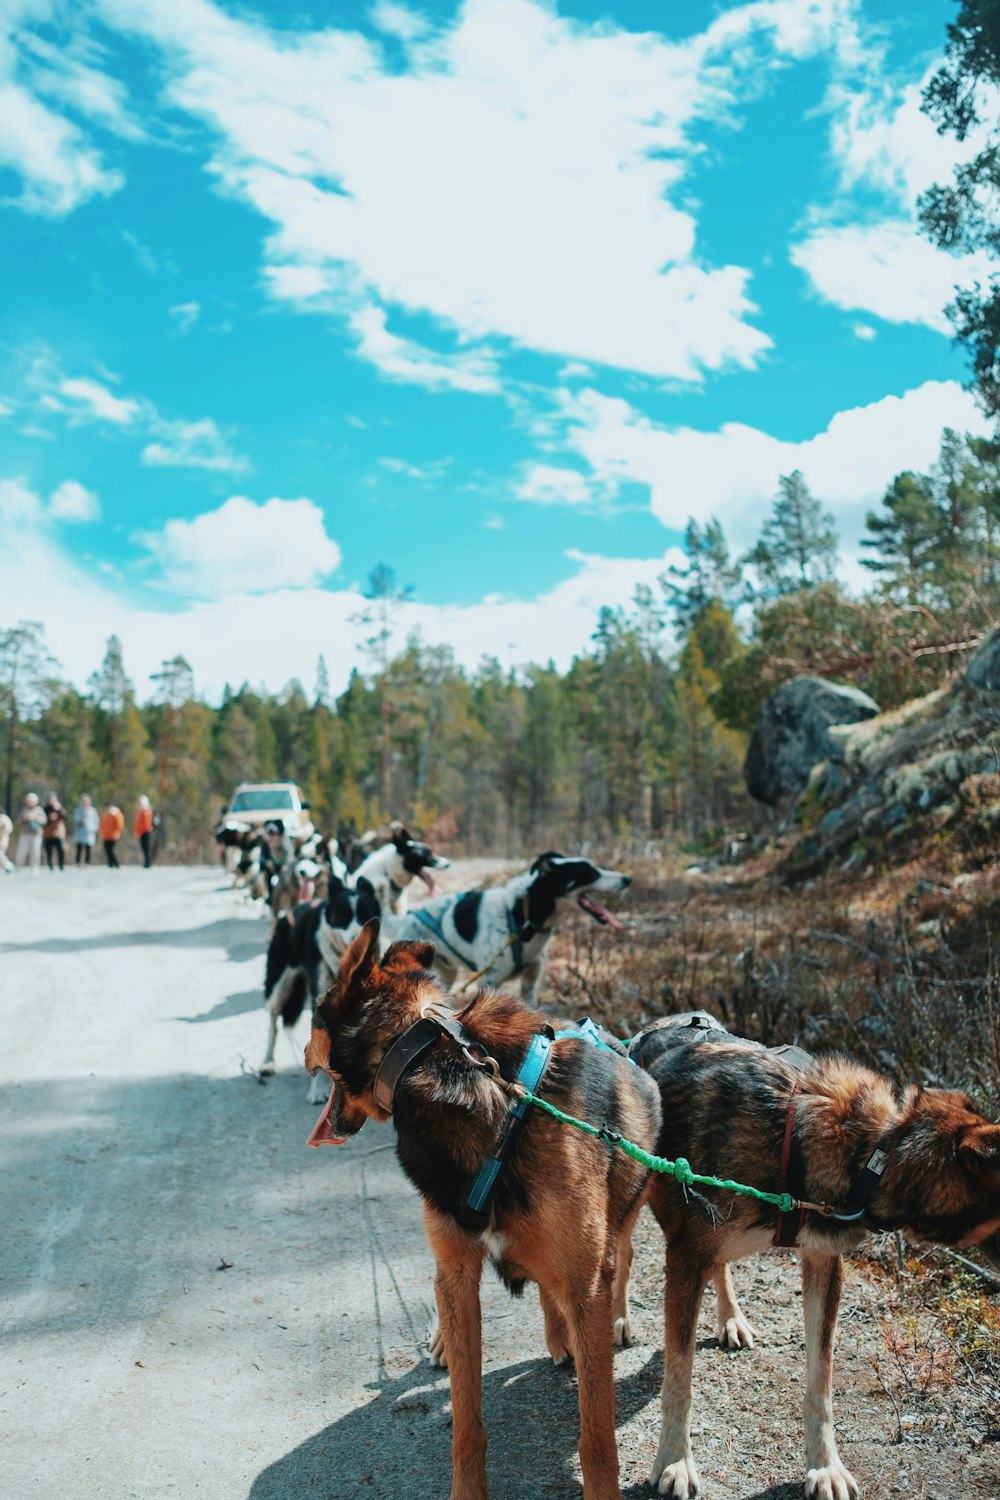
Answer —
559 1353
679 1480
736 1333
623 1332
266 1071
435 1346
831 1483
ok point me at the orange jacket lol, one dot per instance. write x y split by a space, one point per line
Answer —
112 824
143 821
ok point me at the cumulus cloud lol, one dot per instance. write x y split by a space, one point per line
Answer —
890 269
245 548
73 502
547 484
272 627
886 150
22 506
733 472
521 177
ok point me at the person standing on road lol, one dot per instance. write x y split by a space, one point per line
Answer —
145 822
54 832
30 822
85 823
6 829
111 830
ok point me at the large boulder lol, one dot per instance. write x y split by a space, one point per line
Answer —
792 735
983 671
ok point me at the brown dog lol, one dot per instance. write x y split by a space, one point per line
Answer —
563 1204
921 1160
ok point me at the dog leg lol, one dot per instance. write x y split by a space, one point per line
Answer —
594 1355
826 1477
275 1005
624 1256
673 1471
557 1338
456 1287
435 1345
734 1332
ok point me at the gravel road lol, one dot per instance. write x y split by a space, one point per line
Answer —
195 1304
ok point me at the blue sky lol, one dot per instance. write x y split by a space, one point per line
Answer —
498 294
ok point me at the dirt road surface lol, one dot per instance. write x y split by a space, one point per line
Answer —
194 1304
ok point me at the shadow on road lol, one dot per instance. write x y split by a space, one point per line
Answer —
399 1441
233 1005
238 939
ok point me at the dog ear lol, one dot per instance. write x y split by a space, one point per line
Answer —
980 1147
544 861
414 955
400 837
359 958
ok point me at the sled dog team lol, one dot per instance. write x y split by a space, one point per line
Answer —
504 1181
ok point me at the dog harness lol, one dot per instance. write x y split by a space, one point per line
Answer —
437 1021
516 940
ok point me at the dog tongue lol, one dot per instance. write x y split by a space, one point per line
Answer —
594 907
306 889
322 1135
429 881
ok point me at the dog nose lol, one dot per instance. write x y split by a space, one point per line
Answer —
626 882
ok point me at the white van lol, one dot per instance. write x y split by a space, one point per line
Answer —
257 802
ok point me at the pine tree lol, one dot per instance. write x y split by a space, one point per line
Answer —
902 536
119 736
797 548
710 575
25 668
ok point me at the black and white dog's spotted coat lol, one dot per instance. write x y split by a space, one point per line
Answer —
504 932
309 941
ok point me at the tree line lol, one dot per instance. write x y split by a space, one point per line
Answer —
641 738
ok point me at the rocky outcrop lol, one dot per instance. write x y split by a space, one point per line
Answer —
931 767
792 735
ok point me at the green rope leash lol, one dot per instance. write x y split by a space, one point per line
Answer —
680 1170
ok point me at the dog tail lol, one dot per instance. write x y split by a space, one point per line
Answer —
279 956
296 999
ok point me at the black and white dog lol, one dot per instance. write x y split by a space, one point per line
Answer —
391 868
309 941
504 932
304 954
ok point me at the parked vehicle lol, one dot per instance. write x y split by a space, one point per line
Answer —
257 802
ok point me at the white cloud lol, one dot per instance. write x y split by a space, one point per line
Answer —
885 149
733 472
519 179
398 21
185 315
73 502
864 332
70 502
90 400
43 84
245 548
546 484
18 503
888 269
169 442
403 359
192 445
270 636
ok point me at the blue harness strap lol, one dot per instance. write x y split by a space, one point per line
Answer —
433 925
473 1212
517 945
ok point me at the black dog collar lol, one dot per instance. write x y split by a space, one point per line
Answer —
413 1043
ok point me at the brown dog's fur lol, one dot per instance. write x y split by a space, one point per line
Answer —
563 1207
725 1107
